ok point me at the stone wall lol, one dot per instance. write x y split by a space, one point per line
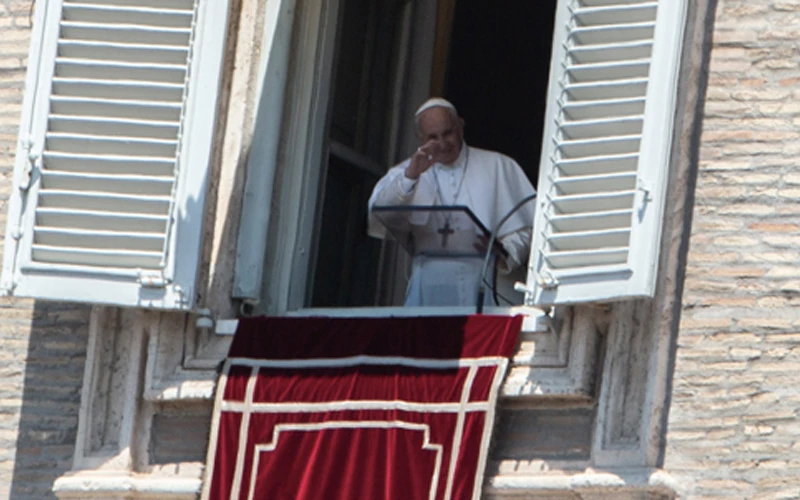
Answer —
42 346
733 424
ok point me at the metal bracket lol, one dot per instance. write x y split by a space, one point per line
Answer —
205 319
33 161
152 279
547 280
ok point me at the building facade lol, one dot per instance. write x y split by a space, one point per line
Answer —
108 383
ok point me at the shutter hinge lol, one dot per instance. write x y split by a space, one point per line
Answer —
525 289
27 173
205 319
547 280
646 195
152 279
182 300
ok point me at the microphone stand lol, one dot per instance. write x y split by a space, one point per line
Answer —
492 238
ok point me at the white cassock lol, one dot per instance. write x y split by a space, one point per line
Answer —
492 184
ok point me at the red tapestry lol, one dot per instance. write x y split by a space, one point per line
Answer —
357 408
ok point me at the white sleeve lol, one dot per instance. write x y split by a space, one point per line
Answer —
518 246
394 189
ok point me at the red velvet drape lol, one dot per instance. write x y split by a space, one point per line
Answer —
346 408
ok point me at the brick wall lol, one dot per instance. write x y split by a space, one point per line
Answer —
733 425
42 346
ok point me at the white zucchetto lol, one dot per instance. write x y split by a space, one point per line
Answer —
435 102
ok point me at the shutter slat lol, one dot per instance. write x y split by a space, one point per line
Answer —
597 164
616 14
611 145
92 219
619 34
88 200
93 50
109 164
120 184
604 108
591 258
87 125
609 71
590 240
97 258
118 240
595 202
624 181
622 89
153 91
168 4
133 146
592 3
109 71
121 33
588 129
119 108
594 220
613 52
166 18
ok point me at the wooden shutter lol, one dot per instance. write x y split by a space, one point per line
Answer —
114 148
606 150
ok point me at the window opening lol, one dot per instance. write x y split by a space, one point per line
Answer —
497 76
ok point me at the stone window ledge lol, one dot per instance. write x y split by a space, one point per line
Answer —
620 484
119 485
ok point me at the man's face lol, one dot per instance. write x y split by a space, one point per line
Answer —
443 131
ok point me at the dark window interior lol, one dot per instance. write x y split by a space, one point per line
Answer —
497 77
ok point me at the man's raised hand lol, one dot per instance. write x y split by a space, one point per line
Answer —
422 159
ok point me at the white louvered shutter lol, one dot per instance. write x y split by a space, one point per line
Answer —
114 148
606 147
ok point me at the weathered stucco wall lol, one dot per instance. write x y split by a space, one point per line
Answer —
733 425
42 346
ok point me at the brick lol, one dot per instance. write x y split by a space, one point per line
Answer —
746 10
736 241
738 272
782 108
729 108
745 354
783 272
736 338
712 166
760 95
747 209
786 6
691 324
734 37
766 322
772 227
732 66
782 241
727 484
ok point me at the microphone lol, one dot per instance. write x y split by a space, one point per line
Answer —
492 238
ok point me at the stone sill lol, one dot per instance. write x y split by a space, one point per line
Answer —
589 484
121 486
612 483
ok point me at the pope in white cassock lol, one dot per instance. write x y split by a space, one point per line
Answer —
445 171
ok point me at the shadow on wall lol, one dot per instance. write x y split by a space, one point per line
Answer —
52 365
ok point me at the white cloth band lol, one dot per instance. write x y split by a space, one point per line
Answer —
435 102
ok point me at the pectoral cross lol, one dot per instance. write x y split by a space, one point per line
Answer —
445 232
